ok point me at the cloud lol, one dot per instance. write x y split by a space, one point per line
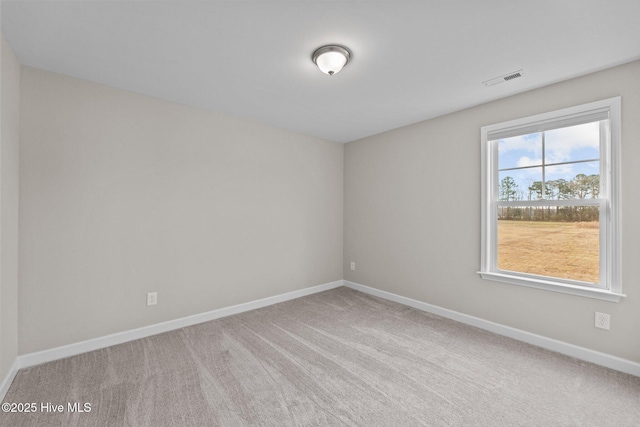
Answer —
561 145
575 143
530 143
525 161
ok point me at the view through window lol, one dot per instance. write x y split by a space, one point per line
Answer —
558 240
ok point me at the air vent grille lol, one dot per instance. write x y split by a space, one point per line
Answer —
504 78
513 76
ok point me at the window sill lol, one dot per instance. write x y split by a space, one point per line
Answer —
601 294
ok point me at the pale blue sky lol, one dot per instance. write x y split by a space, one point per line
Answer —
568 144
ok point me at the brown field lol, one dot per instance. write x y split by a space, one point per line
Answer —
568 250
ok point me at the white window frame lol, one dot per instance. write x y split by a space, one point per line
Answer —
610 287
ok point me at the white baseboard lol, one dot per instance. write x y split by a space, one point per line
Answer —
44 356
8 379
603 359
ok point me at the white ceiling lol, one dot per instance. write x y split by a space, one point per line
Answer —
412 60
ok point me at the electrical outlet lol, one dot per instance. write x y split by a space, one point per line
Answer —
152 298
353 265
603 321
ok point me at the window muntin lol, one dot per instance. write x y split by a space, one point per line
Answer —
551 200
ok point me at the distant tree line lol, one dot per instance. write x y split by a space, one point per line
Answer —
581 187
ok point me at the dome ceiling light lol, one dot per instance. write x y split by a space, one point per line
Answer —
331 58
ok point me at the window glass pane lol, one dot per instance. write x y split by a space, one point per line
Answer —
570 144
574 181
553 241
519 151
519 184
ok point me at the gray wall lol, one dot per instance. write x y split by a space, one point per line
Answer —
9 148
123 194
412 217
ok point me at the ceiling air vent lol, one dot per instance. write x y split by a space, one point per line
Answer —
505 78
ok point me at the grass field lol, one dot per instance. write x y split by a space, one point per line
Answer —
569 250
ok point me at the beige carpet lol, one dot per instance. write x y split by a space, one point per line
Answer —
338 358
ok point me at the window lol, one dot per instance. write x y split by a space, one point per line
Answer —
551 201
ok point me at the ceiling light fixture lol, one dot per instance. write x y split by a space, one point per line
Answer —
331 59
